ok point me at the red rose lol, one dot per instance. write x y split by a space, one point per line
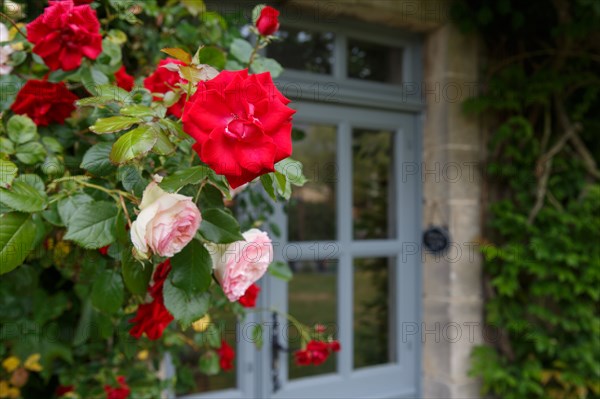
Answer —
65 33
241 124
316 352
226 356
268 23
334 346
121 392
62 390
152 318
44 102
104 250
248 300
124 80
164 81
302 358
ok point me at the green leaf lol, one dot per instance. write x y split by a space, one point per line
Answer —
132 180
96 160
94 225
219 227
92 79
23 197
262 64
8 172
133 144
192 269
17 234
256 12
267 183
113 124
194 7
21 129
212 56
292 170
257 336
67 207
185 308
52 144
108 292
242 50
281 270
31 153
284 188
180 178
138 111
209 363
163 145
6 146
135 274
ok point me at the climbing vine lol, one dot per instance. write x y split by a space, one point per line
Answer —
539 103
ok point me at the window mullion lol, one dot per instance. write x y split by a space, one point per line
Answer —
340 55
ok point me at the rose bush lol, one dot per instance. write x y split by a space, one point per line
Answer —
119 230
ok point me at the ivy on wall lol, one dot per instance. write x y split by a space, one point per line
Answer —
539 100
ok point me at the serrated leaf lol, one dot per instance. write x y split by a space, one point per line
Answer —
192 269
242 50
178 54
262 64
108 291
131 179
138 111
94 225
163 145
96 160
8 172
69 206
186 309
17 236
31 153
180 178
133 144
219 227
281 270
113 124
23 197
135 274
21 129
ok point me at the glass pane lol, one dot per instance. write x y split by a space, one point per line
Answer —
312 296
372 312
312 210
372 184
374 62
304 50
223 326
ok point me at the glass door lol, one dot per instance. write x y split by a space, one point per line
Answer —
345 235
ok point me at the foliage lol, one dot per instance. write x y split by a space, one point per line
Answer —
540 100
69 192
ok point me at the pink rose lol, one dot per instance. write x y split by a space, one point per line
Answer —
238 265
166 224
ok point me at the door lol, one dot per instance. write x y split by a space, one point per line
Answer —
349 235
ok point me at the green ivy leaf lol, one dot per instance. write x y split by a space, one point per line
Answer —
242 50
180 178
108 291
219 227
96 160
192 269
21 129
23 197
94 225
135 274
281 270
185 308
113 124
209 363
17 235
8 172
133 144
